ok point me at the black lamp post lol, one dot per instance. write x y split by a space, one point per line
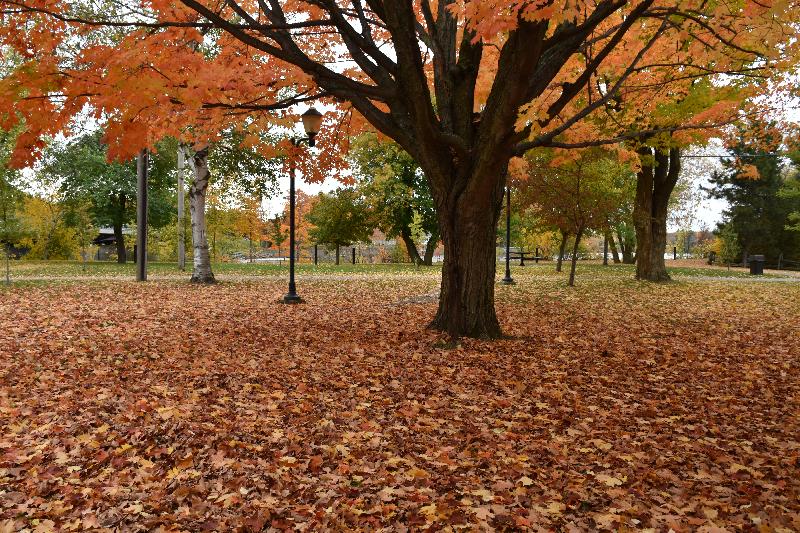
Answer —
312 121
508 280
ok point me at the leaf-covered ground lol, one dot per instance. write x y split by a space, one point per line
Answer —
615 405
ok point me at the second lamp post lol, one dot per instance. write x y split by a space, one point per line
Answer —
312 121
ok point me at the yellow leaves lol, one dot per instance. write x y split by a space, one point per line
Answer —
429 511
600 444
288 461
554 508
165 413
610 481
228 499
417 473
134 508
485 495
607 520
525 481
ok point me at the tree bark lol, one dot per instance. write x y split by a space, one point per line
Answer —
201 269
574 263
626 246
613 245
561 249
468 222
430 249
411 246
654 184
337 254
119 237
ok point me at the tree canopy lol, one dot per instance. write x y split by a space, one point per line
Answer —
397 191
341 218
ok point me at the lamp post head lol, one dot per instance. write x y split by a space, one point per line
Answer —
312 122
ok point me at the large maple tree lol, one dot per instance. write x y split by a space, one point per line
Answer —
462 86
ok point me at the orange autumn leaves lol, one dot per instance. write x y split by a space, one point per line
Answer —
611 406
190 81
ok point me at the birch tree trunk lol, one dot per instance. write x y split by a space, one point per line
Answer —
201 269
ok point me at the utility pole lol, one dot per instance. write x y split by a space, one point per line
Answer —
181 192
508 280
141 215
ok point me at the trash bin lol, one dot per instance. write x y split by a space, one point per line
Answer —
756 265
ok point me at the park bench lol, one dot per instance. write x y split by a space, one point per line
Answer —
522 256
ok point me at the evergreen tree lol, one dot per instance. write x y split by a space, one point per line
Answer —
750 183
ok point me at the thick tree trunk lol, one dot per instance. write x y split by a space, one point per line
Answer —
613 245
411 246
201 269
468 223
119 237
655 182
574 263
561 249
430 249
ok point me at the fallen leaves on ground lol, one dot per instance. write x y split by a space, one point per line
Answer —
616 405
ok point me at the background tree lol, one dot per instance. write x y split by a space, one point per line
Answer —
660 168
660 157
397 192
340 219
790 191
250 223
11 198
276 233
575 193
304 203
48 235
728 244
81 171
750 184
242 171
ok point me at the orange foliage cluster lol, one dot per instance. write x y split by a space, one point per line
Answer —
182 81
